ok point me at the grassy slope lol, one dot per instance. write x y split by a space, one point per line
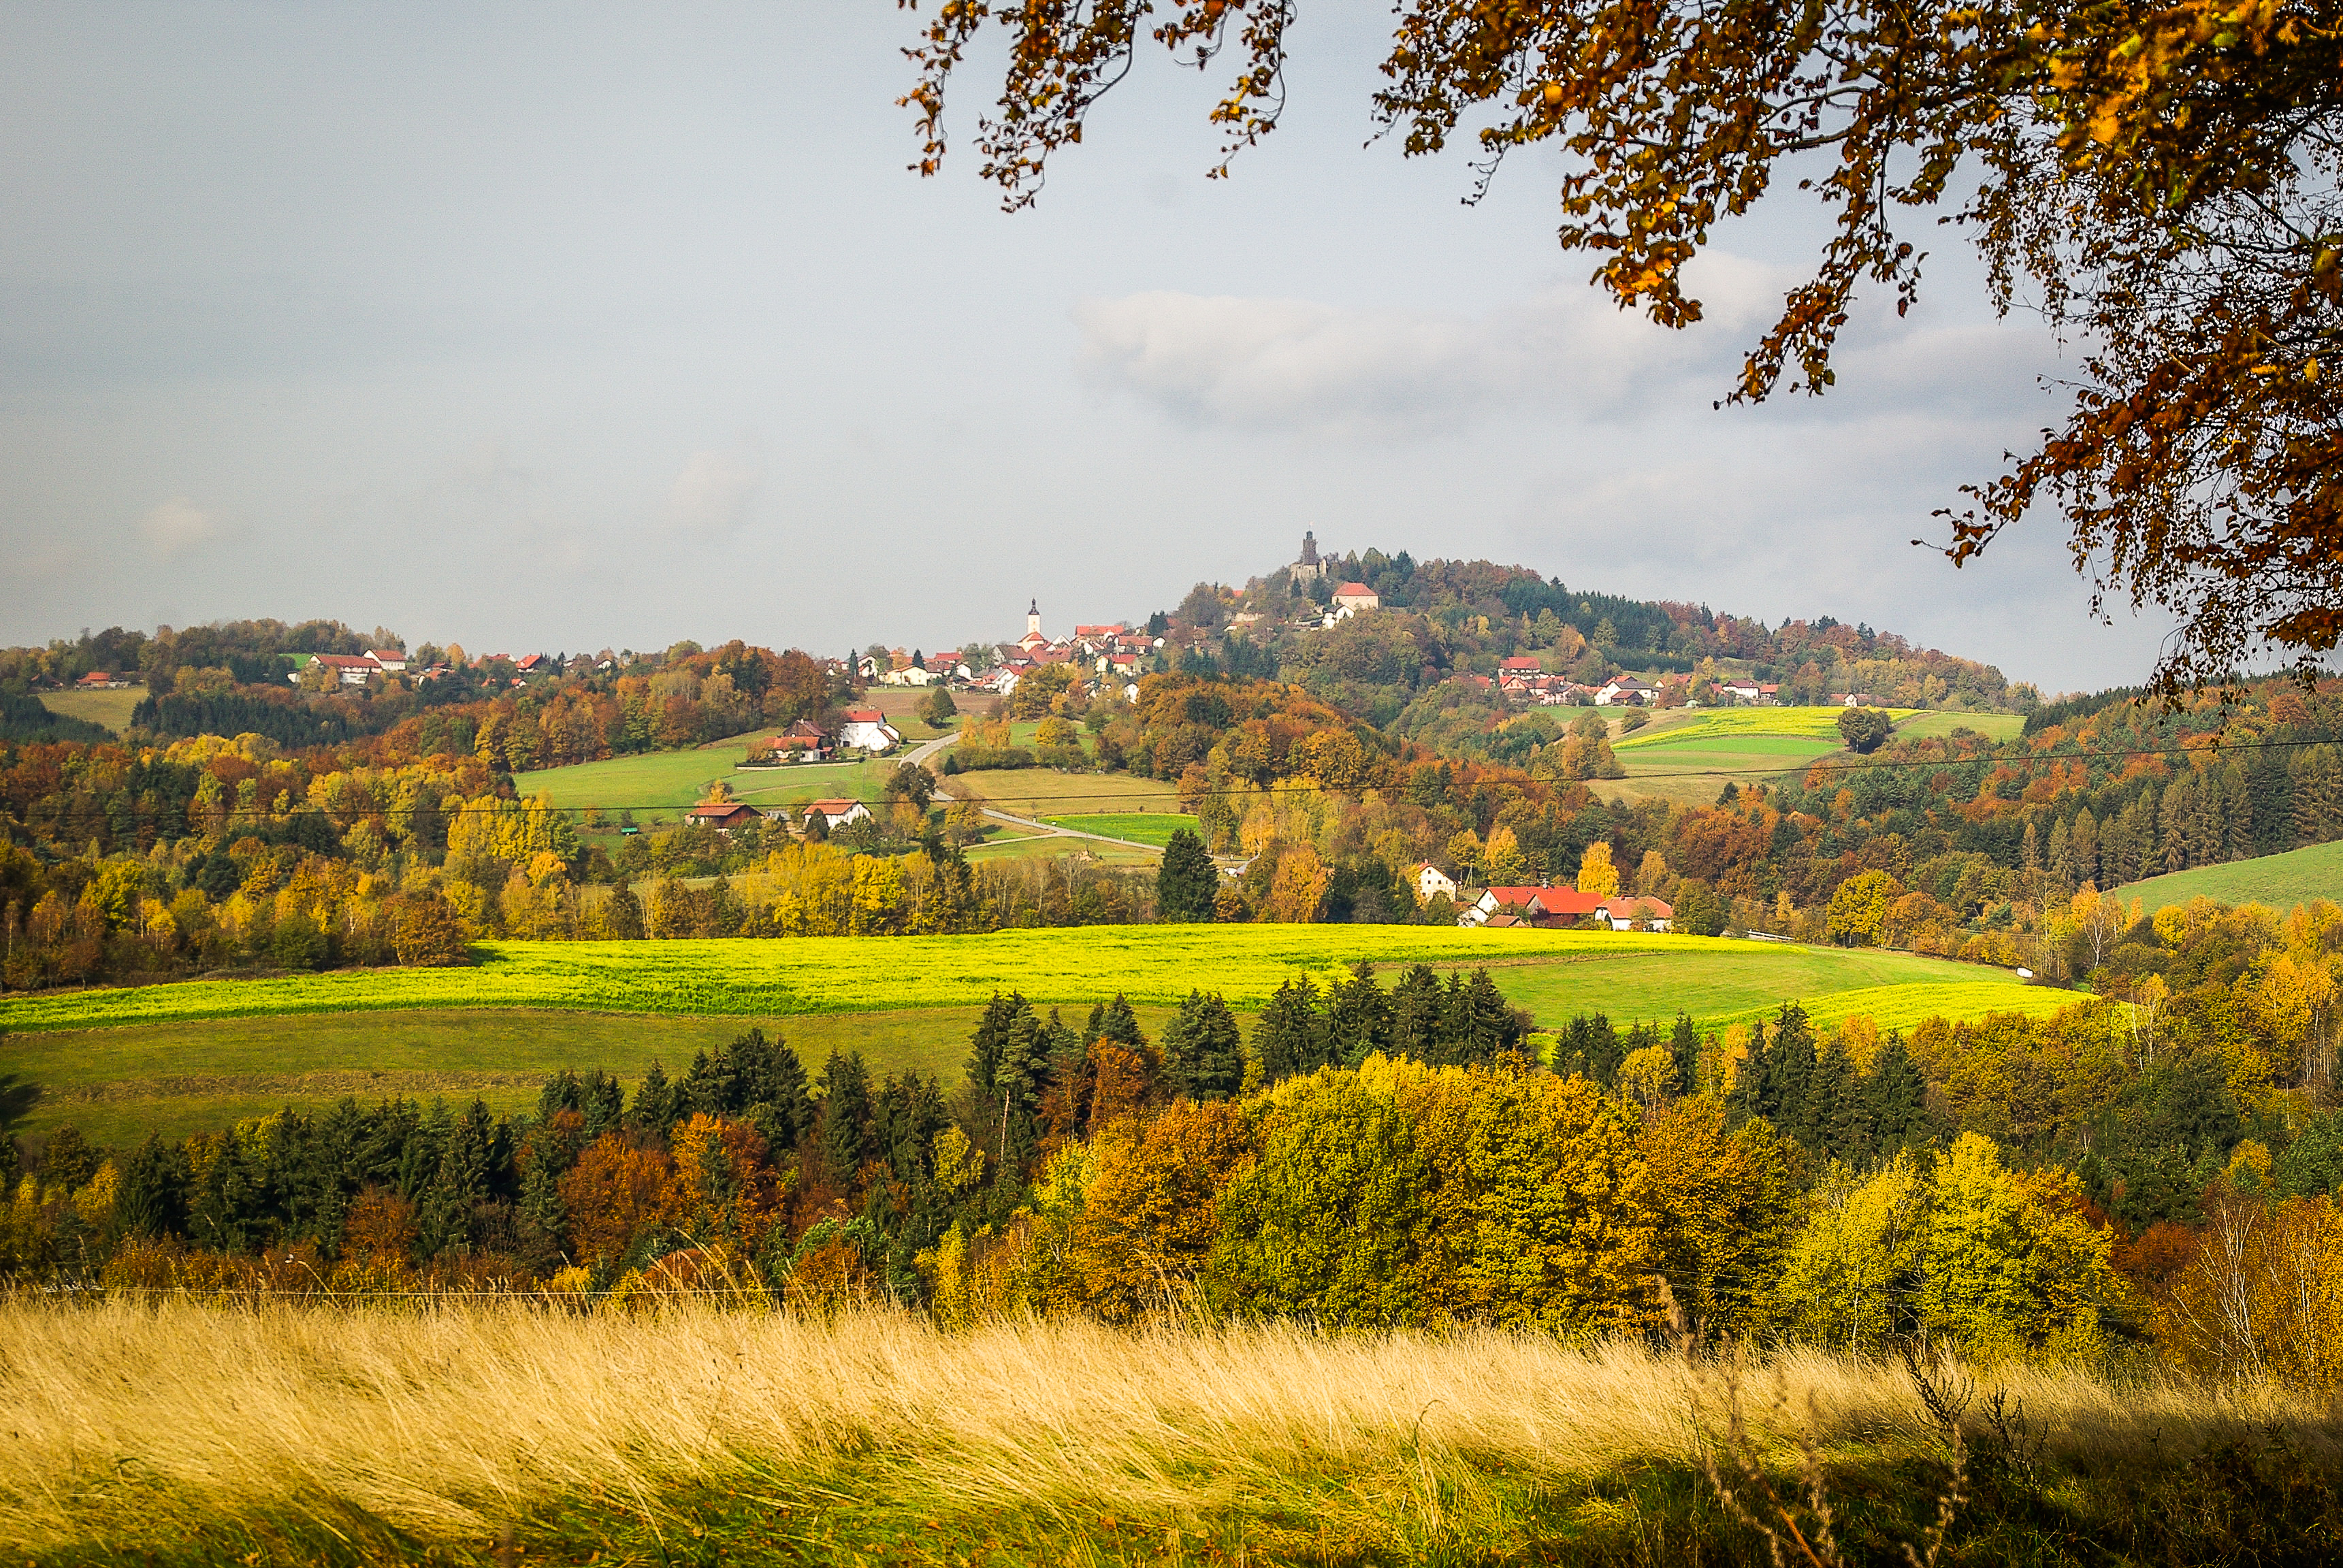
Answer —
1997 726
204 1053
111 708
2281 881
118 1084
179 1433
1686 756
661 784
1031 791
855 974
1154 827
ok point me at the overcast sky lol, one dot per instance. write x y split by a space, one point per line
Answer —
571 326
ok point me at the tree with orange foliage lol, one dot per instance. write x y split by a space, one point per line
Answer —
1147 1221
614 1195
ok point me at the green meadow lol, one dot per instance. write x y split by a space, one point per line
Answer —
1154 827
659 786
2281 881
110 708
179 1058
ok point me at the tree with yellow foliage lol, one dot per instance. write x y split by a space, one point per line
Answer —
1596 874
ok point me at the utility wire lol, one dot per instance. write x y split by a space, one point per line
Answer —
1752 775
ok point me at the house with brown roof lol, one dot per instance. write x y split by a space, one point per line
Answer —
723 815
835 814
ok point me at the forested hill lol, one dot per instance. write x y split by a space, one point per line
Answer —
1438 618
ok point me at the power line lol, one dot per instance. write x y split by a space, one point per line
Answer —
236 813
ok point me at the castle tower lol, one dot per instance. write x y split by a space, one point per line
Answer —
1307 570
1033 618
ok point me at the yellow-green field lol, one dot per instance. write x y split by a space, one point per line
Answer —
1933 723
202 1053
111 708
1687 755
1737 724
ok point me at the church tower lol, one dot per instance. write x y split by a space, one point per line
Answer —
1307 570
1033 618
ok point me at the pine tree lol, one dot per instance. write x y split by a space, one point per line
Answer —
1290 1036
846 1114
991 1039
1358 1016
154 1201
657 1102
1202 1054
1419 1021
1750 1097
1896 1095
1684 1051
1834 1117
1187 881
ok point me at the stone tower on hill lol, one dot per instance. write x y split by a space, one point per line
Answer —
1307 570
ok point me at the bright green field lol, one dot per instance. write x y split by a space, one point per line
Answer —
1154 827
658 785
1738 724
2281 881
1155 964
200 1054
111 708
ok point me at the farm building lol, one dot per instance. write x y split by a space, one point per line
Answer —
723 815
838 813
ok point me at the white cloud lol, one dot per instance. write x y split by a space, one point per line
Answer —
179 526
712 495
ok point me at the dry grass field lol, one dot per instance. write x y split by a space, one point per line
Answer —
511 1432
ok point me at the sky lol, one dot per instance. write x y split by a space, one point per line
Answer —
569 327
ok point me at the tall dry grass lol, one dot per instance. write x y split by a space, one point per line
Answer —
129 1422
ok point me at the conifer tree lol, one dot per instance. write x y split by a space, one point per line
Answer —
657 1102
1419 1017
1290 1036
1790 1069
1833 1118
1484 1024
1187 881
846 1115
1358 1016
1202 1054
1894 1100
1684 1051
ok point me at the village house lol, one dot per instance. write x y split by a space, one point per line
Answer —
1853 699
1621 914
1752 693
801 741
1432 882
349 669
1624 691
836 814
723 815
1350 599
868 729
101 681
389 659
1530 906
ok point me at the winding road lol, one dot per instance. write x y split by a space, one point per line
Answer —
1039 828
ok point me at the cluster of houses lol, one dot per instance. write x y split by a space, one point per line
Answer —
725 815
1499 908
1521 679
1113 649
864 729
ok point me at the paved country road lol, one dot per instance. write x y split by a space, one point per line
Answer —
927 749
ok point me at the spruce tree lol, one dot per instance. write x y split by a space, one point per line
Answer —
1790 1067
154 1201
1750 1099
1358 1016
1288 1038
1833 1109
657 1102
1684 1053
1485 1024
1895 1100
845 1116
1419 1021
1187 881
1202 1054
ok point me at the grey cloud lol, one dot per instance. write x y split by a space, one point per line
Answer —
178 526
711 496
